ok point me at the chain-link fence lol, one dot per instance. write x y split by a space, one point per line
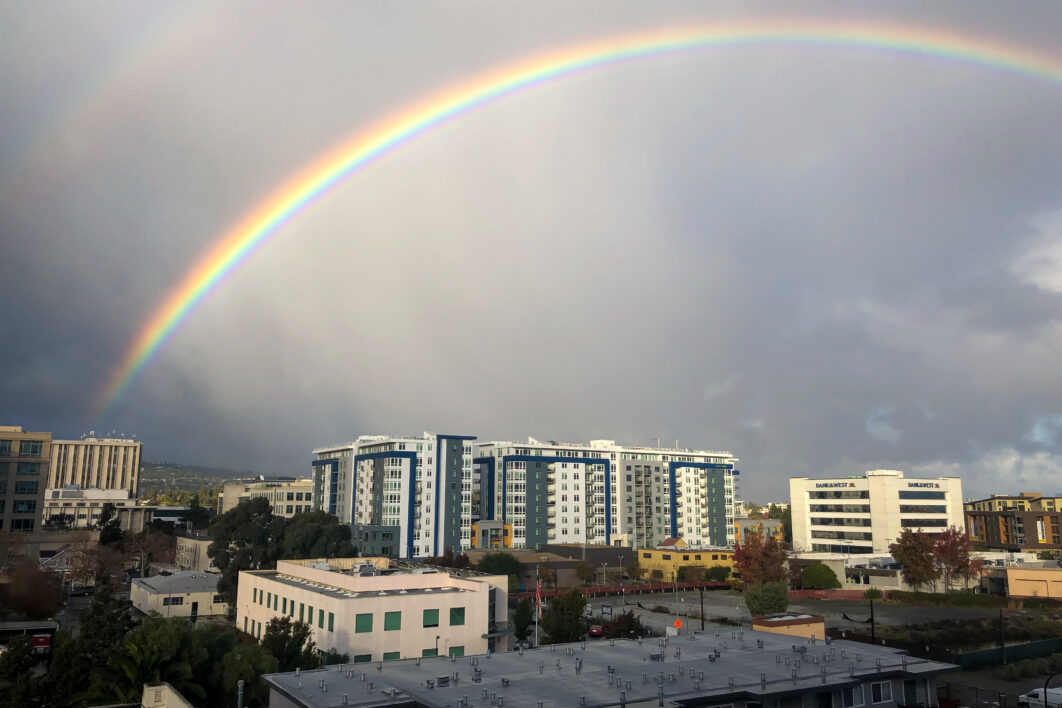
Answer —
973 697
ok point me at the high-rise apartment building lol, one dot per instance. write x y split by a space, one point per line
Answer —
415 491
867 514
96 463
606 493
24 458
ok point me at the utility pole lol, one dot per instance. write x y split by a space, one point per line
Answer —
873 636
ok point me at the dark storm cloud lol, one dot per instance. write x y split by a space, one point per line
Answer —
826 261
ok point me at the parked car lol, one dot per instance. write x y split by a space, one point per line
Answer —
1035 698
596 630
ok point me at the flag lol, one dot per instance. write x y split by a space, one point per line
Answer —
538 599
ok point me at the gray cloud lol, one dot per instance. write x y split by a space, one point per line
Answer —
752 248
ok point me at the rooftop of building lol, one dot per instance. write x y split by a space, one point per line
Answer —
720 665
874 473
351 577
603 445
182 582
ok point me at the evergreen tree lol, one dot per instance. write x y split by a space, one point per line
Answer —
563 621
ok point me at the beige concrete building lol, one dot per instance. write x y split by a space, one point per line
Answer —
187 593
84 506
1034 582
379 615
192 553
286 497
24 460
1026 501
100 463
864 515
792 625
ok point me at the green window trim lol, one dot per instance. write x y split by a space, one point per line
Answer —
362 623
331 621
431 618
458 651
457 616
362 658
392 621
430 652
320 618
392 655
302 611
285 606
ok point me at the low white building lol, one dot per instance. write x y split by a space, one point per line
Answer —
82 507
860 515
375 614
189 593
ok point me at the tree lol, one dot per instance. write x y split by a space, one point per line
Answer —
718 573
159 649
290 642
449 560
246 662
563 619
767 598
59 522
657 575
110 527
786 517
151 546
196 517
952 552
522 618
818 576
499 563
246 537
548 576
760 560
913 550
584 571
315 535
19 658
625 625
634 568
36 593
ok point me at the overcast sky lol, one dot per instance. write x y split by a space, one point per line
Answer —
823 260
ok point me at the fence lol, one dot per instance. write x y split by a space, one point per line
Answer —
606 590
995 656
974 697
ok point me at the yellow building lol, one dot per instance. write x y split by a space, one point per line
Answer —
24 460
669 557
1026 501
792 625
765 527
492 534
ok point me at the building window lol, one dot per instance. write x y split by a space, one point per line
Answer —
666 556
362 658
392 655
309 615
392 621
363 622
284 605
430 652
852 697
302 612
431 619
217 599
276 601
457 651
331 621
26 487
172 601
320 619
24 506
30 448
269 599
881 692
5 448
457 616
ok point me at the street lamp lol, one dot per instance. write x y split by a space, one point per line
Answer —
604 573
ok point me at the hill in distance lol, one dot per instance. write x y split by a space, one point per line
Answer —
174 476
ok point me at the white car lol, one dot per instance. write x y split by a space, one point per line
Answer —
1035 698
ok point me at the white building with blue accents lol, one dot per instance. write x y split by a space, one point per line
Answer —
406 496
604 493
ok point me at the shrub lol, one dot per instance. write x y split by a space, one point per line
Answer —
767 598
872 594
718 572
663 609
818 576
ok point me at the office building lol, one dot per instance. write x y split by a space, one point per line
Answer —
192 552
413 491
187 593
96 463
286 497
604 493
753 668
767 528
664 562
81 508
866 514
24 460
379 614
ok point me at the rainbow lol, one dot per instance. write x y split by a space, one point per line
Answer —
236 245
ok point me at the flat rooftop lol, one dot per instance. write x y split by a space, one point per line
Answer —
183 582
721 664
340 593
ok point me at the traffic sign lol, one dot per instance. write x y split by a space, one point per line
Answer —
606 610
589 612
678 624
